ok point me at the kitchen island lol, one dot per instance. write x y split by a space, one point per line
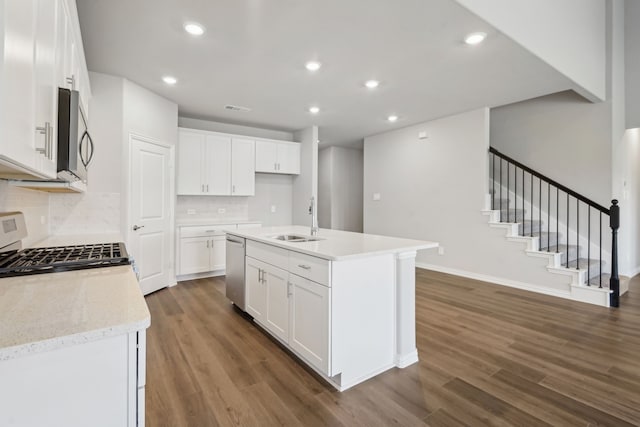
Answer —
343 302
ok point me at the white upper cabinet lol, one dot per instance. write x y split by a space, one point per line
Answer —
40 47
191 163
243 179
213 164
218 165
277 157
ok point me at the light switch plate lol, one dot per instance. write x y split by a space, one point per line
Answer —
376 196
191 211
273 208
440 250
422 135
222 210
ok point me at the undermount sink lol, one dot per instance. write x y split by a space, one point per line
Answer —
296 238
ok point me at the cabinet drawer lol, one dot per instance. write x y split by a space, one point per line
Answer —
205 230
269 254
312 268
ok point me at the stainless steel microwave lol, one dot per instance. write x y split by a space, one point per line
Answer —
75 146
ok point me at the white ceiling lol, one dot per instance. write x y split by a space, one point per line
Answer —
253 54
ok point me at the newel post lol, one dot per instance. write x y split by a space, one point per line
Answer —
614 281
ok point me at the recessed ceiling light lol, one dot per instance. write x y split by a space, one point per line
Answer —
169 80
372 84
313 65
194 28
314 110
392 118
475 38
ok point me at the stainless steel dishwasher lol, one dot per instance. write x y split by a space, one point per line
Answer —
235 271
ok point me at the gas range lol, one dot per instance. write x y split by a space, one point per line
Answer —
15 261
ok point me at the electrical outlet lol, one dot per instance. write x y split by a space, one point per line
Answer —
422 135
222 211
273 208
440 250
191 211
43 220
376 196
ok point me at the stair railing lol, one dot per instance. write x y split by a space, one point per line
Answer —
554 188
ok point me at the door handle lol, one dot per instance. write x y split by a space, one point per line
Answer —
137 227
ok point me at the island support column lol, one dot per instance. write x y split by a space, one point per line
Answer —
406 351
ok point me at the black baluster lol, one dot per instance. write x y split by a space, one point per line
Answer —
493 181
500 189
614 281
539 203
567 254
588 245
557 218
600 244
508 191
548 216
523 230
577 235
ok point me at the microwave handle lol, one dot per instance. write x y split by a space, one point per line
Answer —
86 162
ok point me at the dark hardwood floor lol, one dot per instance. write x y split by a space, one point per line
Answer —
489 355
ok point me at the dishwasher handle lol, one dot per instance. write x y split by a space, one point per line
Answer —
234 241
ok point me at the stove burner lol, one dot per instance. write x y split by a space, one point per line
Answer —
62 258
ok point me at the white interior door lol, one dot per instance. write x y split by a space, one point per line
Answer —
151 220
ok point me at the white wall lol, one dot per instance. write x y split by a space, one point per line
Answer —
569 35
340 188
562 136
632 63
630 203
271 189
435 189
324 188
305 185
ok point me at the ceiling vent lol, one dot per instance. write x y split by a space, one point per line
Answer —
237 108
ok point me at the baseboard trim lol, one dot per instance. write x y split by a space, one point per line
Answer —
496 280
200 275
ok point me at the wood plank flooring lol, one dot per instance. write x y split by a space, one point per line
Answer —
489 355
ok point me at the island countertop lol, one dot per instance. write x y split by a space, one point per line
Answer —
44 312
333 245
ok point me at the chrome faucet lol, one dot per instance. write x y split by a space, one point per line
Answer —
314 219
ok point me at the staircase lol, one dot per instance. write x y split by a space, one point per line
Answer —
572 232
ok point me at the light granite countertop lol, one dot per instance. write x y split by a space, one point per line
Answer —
334 245
43 312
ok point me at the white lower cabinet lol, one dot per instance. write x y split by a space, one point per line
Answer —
294 309
97 383
309 312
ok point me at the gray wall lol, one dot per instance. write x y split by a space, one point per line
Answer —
632 63
340 188
563 136
435 190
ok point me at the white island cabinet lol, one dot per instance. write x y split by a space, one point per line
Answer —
72 349
343 302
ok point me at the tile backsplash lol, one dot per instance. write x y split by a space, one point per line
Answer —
220 207
35 206
88 213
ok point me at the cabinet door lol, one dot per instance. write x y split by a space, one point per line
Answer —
277 314
309 321
243 167
195 255
266 156
46 89
17 129
218 252
218 165
190 163
256 290
289 158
